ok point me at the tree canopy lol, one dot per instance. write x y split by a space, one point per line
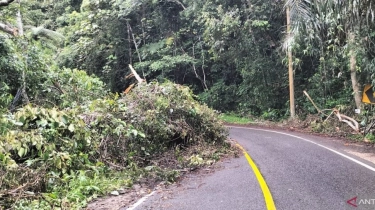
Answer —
229 52
67 87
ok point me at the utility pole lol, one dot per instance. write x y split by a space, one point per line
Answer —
290 64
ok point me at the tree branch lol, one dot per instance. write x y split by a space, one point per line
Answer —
4 3
135 44
316 107
19 21
8 29
139 79
348 120
178 2
195 71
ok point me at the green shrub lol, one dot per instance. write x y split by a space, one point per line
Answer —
64 155
48 145
271 114
168 114
71 88
233 118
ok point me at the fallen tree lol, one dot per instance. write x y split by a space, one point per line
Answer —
341 117
44 152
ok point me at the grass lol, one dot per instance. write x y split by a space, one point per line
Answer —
231 118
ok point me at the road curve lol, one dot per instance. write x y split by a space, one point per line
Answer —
301 172
308 172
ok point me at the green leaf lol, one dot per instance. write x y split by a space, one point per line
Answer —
71 128
64 119
21 152
58 163
30 162
41 123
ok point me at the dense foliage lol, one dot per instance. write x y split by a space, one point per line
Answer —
51 146
229 52
64 67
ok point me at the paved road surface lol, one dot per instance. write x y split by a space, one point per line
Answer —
301 172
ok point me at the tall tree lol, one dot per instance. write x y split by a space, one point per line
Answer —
349 16
24 62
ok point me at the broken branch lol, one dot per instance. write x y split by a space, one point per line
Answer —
348 120
316 107
328 116
178 2
8 29
129 88
139 79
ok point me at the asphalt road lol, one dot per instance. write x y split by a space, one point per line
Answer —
301 172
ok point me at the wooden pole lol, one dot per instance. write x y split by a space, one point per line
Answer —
290 63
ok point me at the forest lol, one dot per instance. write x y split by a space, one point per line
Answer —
232 54
69 98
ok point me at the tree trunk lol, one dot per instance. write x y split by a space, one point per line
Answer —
19 20
130 46
8 29
353 71
21 33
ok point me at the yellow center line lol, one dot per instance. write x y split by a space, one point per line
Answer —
263 185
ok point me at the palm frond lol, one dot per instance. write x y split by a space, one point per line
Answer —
299 9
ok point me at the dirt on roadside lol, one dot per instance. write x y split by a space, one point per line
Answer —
126 198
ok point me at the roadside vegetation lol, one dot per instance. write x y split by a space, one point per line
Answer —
62 158
235 119
76 121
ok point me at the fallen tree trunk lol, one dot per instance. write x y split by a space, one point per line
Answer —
341 117
348 120
8 29
136 75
